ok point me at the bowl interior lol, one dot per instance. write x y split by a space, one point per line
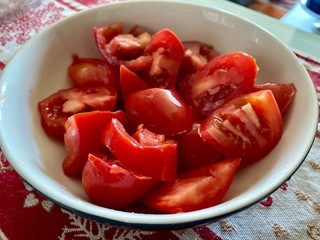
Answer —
39 69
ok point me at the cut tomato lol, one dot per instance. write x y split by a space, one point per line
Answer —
223 78
92 71
193 152
117 47
83 136
283 93
110 185
248 127
196 55
167 52
56 108
160 110
157 160
197 189
102 36
130 82
138 31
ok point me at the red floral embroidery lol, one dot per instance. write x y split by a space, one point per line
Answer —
90 3
268 202
22 27
284 186
205 233
2 65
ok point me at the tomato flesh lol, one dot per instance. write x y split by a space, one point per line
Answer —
56 108
81 138
223 78
158 161
248 127
117 47
102 36
196 55
91 71
194 190
167 52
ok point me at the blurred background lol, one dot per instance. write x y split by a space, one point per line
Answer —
303 14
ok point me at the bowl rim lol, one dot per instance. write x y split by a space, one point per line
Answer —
140 220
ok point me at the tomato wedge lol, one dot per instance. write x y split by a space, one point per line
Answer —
130 82
81 138
92 71
248 127
117 47
167 52
283 93
160 110
193 152
56 108
110 185
156 159
223 78
196 55
102 36
197 189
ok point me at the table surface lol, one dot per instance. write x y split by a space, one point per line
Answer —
292 212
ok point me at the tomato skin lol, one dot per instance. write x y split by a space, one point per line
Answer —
197 189
283 93
167 52
91 71
102 36
110 185
160 110
158 161
248 127
138 31
118 48
193 152
196 55
223 78
52 116
81 138
56 108
130 82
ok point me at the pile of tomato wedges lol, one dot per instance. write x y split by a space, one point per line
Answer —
162 123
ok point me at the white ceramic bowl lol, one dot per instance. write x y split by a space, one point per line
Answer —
39 69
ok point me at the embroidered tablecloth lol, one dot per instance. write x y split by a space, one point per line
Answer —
292 212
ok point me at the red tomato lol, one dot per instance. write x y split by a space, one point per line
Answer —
130 82
148 138
117 47
283 93
56 108
110 185
138 31
223 78
92 71
194 190
196 55
83 136
160 110
156 159
248 127
167 52
102 36
193 152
